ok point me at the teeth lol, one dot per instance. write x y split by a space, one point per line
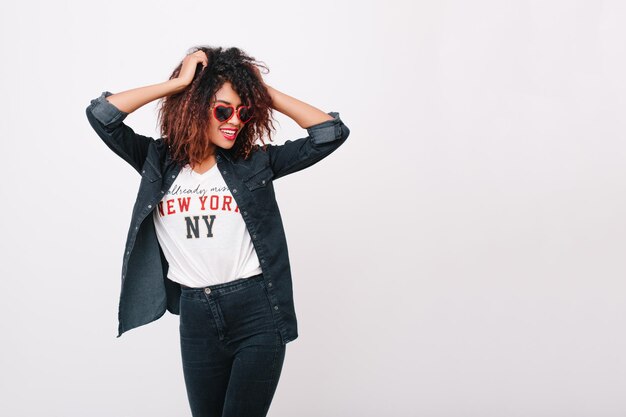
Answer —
230 134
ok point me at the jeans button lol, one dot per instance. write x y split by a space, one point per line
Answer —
207 290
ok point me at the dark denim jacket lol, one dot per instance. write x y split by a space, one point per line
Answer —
146 292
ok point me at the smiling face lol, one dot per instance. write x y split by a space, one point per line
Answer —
223 134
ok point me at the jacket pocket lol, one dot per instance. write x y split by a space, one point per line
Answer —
150 172
259 179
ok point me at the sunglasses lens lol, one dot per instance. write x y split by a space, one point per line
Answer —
245 113
223 113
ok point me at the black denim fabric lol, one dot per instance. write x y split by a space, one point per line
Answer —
146 292
230 347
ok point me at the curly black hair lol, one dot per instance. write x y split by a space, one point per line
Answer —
184 115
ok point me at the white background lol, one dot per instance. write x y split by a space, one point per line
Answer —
462 254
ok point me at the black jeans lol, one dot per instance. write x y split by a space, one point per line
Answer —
231 349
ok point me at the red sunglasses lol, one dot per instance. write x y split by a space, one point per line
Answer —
224 113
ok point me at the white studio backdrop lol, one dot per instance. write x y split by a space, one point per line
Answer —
461 255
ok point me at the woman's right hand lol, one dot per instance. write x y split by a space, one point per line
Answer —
190 63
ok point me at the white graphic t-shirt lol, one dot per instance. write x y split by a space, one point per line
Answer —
202 233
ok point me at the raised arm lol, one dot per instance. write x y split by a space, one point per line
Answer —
300 112
107 112
326 132
130 100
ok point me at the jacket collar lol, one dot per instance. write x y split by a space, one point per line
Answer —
226 153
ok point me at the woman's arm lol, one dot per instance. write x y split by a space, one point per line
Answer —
107 112
130 100
326 132
302 113
106 115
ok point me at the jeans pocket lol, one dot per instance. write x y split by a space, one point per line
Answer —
266 296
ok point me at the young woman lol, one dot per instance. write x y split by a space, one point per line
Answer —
206 239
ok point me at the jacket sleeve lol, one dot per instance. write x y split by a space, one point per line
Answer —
107 120
295 155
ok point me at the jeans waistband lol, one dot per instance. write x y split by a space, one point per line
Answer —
225 287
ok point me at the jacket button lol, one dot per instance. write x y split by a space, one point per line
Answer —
149 205
207 290
275 307
262 261
263 182
245 213
269 284
162 192
173 176
224 172
234 190
143 171
253 236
